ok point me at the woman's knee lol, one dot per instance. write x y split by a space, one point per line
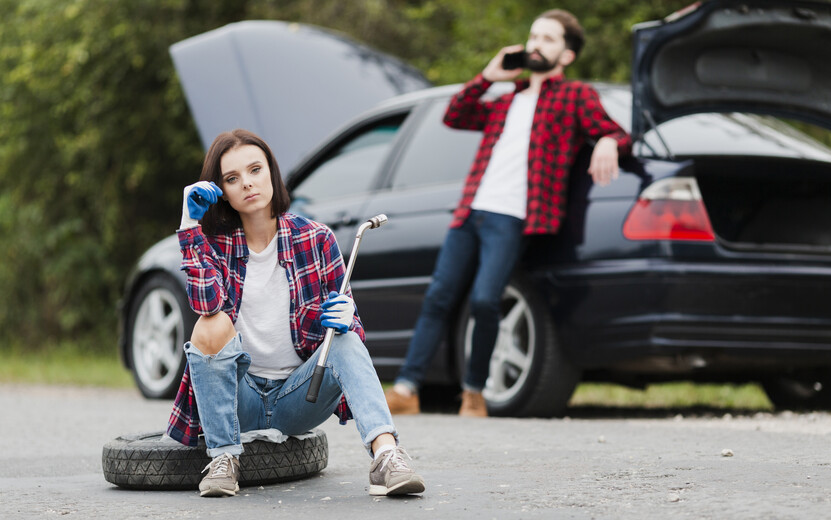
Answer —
348 348
211 333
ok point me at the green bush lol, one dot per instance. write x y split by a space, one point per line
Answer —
95 144
96 140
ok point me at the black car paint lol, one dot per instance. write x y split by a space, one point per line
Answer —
613 300
624 310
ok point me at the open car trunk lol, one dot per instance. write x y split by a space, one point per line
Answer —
764 203
751 56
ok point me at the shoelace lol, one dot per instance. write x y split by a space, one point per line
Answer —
395 460
223 465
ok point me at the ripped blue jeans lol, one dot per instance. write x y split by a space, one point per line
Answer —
231 401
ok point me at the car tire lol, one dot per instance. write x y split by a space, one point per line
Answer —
799 393
529 374
159 321
151 461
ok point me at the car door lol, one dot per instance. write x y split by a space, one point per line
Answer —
407 165
334 187
418 196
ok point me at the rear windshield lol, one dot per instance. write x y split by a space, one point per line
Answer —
724 133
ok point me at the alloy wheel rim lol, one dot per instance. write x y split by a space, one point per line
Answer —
513 354
158 335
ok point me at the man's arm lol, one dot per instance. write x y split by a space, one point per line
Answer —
603 166
612 140
466 111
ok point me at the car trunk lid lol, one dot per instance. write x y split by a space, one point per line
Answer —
757 56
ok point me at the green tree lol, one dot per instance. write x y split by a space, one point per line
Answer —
451 40
95 145
96 140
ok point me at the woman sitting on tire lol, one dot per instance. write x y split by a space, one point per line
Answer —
252 353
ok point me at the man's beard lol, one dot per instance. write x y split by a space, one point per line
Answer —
539 63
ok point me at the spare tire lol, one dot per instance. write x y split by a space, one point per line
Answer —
151 461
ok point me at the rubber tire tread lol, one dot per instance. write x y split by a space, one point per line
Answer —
553 377
147 461
798 394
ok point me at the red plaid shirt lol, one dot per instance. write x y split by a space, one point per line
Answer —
216 271
568 112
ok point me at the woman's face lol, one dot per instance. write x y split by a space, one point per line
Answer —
246 180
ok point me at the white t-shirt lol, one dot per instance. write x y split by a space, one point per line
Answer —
263 319
504 186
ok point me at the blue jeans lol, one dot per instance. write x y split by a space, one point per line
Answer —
231 401
484 249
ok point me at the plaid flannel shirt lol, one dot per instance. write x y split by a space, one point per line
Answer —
215 267
568 112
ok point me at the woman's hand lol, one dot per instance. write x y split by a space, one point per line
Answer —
198 197
338 311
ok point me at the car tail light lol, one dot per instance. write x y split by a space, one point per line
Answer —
669 209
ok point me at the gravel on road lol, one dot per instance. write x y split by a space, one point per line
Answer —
612 464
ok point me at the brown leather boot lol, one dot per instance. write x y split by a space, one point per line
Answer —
401 404
473 405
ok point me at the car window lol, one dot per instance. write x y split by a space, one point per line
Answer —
730 133
618 105
352 166
436 153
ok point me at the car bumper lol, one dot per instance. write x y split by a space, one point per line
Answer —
616 312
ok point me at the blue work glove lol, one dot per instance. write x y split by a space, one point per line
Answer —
338 311
198 198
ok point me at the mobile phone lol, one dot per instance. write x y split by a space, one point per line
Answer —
514 60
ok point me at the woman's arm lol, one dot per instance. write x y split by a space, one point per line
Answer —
206 272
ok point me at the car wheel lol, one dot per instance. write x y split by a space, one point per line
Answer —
152 461
159 321
799 393
529 374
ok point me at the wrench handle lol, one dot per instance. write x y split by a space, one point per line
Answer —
320 367
314 387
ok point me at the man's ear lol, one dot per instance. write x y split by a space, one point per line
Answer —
567 57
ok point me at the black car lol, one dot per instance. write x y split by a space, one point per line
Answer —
709 259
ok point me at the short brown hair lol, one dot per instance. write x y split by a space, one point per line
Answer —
221 217
573 31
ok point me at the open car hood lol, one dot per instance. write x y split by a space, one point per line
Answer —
756 56
291 84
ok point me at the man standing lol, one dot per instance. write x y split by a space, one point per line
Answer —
516 186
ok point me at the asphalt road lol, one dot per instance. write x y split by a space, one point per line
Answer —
593 465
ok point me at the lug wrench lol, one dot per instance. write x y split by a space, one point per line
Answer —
317 378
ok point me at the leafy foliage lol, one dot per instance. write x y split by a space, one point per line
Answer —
96 140
95 144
